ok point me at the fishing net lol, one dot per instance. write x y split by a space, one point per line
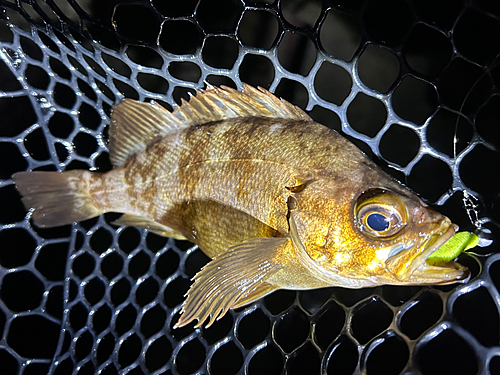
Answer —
401 79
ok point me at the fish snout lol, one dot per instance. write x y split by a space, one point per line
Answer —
427 216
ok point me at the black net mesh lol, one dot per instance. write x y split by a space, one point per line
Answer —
401 79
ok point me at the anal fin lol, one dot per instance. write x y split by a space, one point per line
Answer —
151 225
232 279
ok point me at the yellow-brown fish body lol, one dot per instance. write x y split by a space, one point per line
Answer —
246 164
277 200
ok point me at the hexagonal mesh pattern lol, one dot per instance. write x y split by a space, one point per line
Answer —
401 79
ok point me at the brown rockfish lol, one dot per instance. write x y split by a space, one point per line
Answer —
275 199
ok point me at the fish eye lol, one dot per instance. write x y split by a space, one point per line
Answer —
380 214
377 222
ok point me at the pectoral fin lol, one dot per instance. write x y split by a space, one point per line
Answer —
232 279
151 225
259 291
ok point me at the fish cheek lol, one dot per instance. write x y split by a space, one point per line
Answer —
319 216
349 250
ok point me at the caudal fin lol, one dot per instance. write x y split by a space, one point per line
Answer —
58 198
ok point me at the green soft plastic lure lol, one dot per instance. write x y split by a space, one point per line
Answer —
453 248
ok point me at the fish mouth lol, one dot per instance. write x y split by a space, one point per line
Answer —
413 269
446 273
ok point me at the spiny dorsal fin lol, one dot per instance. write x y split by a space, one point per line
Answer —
216 104
135 124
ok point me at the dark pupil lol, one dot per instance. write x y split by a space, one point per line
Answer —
377 222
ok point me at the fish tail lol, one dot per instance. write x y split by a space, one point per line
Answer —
57 198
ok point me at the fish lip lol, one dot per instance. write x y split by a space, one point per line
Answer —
434 242
404 272
431 248
447 273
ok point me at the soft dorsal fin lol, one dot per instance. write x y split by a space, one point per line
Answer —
134 124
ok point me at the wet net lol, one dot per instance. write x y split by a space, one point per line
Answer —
401 79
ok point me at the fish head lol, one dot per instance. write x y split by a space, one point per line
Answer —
401 232
383 235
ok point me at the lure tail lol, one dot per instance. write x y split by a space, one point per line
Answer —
58 198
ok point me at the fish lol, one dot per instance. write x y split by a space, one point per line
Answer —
276 200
